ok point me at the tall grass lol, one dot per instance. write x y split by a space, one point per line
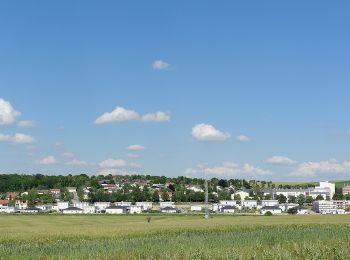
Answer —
168 238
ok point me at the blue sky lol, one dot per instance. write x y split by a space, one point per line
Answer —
273 74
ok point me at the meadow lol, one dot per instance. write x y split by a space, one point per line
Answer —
174 237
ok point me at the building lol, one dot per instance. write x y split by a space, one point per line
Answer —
228 209
228 202
31 210
145 205
101 206
196 208
168 210
325 207
269 203
134 209
272 209
325 189
72 189
165 204
285 206
123 203
4 205
61 205
346 190
301 210
249 204
115 210
72 210
44 208
243 194
21 204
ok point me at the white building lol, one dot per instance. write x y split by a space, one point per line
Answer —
44 208
4 204
61 205
72 210
99 206
269 203
249 204
272 209
165 204
286 206
197 208
168 210
72 189
228 209
123 204
21 204
301 210
325 207
242 194
31 210
134 209
145 205
116 210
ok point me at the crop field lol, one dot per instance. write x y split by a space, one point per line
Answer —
174 237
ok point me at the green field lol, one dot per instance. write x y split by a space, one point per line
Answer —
174 237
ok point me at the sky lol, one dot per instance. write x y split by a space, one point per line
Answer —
250 89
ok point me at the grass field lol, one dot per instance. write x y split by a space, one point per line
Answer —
174 237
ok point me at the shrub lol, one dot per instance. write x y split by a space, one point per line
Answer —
268 213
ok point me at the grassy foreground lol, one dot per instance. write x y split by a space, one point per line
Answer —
174 237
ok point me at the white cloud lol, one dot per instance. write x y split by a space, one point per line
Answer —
156 117
205 132
8 114
120 114
113 163
243 138
135 165
76 162
311 169
48 160
160 65
135 147
106 172
17 138
27 124
280 160
133 155
227 170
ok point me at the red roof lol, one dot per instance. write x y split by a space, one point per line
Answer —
4 202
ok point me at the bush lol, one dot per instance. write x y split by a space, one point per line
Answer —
292 211
268 213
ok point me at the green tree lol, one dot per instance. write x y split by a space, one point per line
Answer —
292 199
309 199
292 211
155 196
237 198
165 196
319 197
281 199
301 199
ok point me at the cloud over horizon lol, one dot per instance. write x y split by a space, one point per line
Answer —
206 132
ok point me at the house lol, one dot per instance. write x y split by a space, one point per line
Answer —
11 195
286 206
145 205
31 210
42 192
250 204
4 204
228 209
165 204
21 204
197 208
116 210
168 210
72 189
228 202
123 203
72 210
242 194
301 210
346 190
55 192
101 206
44 208
61 205
134 209
195 189
161 194
272 209
325 207
85 206
269 203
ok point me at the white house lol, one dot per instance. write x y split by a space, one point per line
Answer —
272 209
228 209
101 205
72 210
61 205
45 207
21 204
145 205
72 189
165 204
195 189
31 210
197 208
325 207
269 203
123 204
134 209
115 210
4 204
89 209
250 204
301 210
242 194
228 202
286 206
168 210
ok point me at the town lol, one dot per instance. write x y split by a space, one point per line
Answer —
147 194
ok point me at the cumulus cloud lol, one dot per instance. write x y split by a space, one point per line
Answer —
160 65
17 138
227 170
135 147
243 138
76 162
8 114
68 155
205 132
113 163
135 165
120 114
281 160
156 117
311 169
48 160
27 124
